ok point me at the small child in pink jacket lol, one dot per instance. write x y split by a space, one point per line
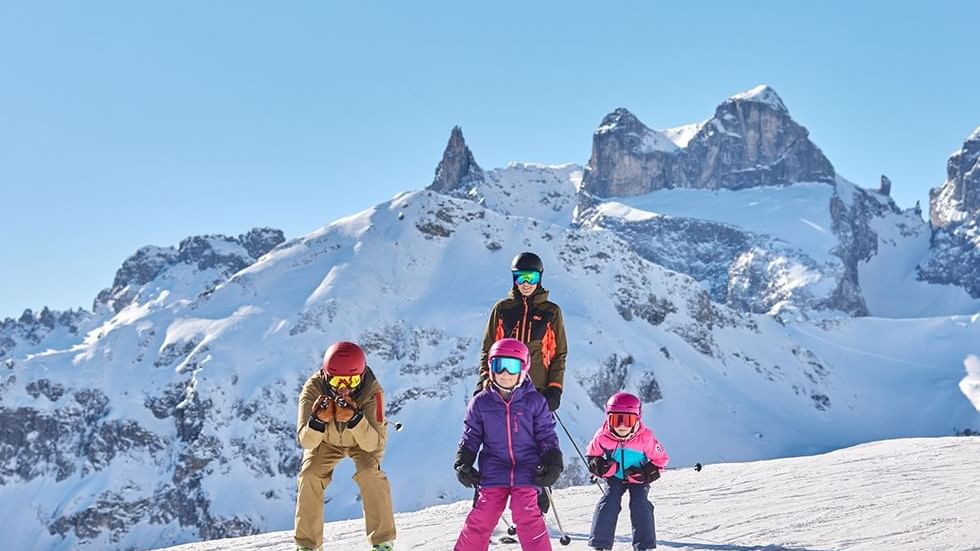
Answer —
628 455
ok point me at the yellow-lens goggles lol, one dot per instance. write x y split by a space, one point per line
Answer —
345 381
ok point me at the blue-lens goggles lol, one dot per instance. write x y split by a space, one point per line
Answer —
501 364
530 277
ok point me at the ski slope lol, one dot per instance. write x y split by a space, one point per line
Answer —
918 493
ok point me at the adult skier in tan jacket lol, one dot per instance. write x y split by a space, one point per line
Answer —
341 414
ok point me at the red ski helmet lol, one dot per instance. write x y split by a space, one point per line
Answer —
511 348
344 359
623 402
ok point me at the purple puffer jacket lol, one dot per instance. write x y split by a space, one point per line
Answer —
513 435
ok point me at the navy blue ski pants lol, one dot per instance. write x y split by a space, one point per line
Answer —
607 513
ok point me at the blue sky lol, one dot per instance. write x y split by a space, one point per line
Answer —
124 124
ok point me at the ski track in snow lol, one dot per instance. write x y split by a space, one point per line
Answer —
799 329
921 494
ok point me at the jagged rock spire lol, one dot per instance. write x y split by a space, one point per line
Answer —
885 187
458 168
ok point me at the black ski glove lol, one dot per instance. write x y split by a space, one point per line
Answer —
642 475
468 476
465 473
599 466
634 475
550 468
553 395
651 472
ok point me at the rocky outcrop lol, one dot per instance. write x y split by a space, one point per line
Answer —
28 332
750 141
954 211
457 171
630 159
76 437
958 199
222 255
885 187
745 271
955 258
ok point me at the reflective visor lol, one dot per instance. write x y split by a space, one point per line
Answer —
345 381
501 364
530 277
623 420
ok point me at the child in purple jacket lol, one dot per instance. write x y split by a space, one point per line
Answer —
510 426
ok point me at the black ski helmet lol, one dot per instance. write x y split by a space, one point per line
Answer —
527 261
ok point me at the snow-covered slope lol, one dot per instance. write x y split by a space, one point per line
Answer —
782 249
909 494
545 193
720 237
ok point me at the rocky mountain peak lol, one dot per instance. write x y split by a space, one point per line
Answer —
751 141
762 94
958 199
621 118
222 253
458 168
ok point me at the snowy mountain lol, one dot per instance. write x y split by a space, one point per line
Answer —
756 321
918 494
766 225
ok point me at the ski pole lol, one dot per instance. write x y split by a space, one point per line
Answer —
697 468
511 529
584 462
572 440
564 540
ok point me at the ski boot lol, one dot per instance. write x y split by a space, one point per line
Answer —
386 546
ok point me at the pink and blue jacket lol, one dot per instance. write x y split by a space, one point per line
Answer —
510 436
636 450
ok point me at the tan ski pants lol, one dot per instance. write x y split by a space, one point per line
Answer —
314 477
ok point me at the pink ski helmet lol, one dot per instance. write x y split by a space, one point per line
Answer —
510 348
623 402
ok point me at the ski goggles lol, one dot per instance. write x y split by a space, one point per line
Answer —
530 277
623 419
510 365
344 381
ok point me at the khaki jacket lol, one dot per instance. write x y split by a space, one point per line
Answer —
370 434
